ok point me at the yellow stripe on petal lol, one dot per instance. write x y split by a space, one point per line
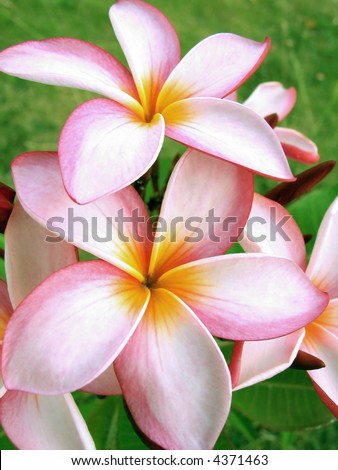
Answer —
328 319
162 312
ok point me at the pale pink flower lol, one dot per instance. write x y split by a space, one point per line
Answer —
272 98
107 144
253 362
35 421
151 307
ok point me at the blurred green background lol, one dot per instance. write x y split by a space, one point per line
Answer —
304 54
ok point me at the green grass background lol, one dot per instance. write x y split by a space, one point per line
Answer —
304 54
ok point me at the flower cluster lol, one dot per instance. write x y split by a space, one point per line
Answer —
140 319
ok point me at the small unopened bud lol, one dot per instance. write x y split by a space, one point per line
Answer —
285 193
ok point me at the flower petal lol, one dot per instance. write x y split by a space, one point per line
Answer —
297 145
26 268
71 328
98 227
71 63
194 227
329 319
174 378
255 361
6 309
215 67
272 98
323 265
35 422
323 344
149 43
105 384
105 147
271 229
240 297
230 131
333 407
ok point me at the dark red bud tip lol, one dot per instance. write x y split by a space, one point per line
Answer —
305 361
272 120
6 193
307 237
285 193
7 196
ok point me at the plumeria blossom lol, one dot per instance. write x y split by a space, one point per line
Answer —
34 421
253 362
271 98
107 143
150 305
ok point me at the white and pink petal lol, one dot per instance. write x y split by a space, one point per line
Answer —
323 344
149 43
174 378
297 145
71 328
71 63
29 257
192 226
247 296
34 422
323 265
215 67
271 229
255 361
272 98
230 131
104 147
97 227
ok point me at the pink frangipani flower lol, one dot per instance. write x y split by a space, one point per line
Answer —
151 306
253 362
106 144
35 421
272 98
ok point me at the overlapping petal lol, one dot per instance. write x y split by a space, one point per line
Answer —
42 422
200 219
297 145
29 258
93 227
72 63
71 328
255 361
272 230
230 131
149 43
329 319
323 265
215 67
323 344
105 384
239 296
174 378
6 310
104 147
272 98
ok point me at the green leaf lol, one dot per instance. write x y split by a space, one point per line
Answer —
108 423
287 402
5 443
